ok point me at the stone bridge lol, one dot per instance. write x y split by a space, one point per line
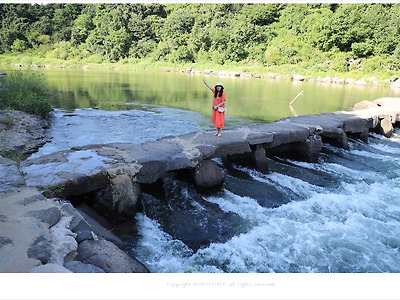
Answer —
114 174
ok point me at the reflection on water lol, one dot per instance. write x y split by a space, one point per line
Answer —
259 100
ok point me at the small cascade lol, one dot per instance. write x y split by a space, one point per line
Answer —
340 214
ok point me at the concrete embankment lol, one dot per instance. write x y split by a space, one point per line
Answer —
112 175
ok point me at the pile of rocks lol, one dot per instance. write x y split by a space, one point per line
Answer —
393 81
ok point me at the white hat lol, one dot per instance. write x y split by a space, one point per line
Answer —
219 83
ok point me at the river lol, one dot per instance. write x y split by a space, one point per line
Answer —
340 215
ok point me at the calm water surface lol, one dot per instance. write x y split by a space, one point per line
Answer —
258 100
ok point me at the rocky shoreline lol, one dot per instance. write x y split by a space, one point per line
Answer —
49 235
393 82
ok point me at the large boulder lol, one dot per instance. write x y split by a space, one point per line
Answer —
284 132
153 159
395 85
260 159
64 245
119 199
364 105
50 216
207 176
78 184
351 122
93 225
297 77
385 127
257 159
107 256
231 141
310 149
326 126
337 139
259 138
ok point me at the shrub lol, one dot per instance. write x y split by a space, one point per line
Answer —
26 61
361 49
201 56
339 65
162 51
273 56
182 54
376 63
217 57
94 59
141 48
26 91
62 50
19 46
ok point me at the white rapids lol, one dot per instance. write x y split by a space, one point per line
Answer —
351 226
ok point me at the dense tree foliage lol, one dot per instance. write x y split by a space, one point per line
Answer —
315 36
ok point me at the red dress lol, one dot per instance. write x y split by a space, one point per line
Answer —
218 118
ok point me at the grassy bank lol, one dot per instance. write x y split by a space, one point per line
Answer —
256 69
26 91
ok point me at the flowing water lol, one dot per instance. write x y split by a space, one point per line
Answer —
341 214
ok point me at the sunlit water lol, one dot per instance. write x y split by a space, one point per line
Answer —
341 214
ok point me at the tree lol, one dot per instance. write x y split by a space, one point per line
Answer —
81 29
19 46
288 33
348 26
142 48
178 26
200 37
315 30
63 20
109 39
384 22
261 14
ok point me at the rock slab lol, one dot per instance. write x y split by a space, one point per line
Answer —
108 257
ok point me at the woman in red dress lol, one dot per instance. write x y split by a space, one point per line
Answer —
218 113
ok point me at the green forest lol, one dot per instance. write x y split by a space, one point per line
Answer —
318 37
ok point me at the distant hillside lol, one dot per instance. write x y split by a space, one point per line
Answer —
315 37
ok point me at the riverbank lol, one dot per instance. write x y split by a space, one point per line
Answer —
48 235
240 70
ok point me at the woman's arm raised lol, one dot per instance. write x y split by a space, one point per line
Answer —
205 82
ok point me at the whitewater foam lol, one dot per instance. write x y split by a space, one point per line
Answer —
351 226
